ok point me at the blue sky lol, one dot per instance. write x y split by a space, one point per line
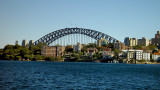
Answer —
32 19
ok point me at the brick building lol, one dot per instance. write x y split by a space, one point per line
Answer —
52 50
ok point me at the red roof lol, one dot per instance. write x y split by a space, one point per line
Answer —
156 53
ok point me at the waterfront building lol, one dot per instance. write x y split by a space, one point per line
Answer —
139 54
24 43
31 42
155 56
77 47
133 54
146 55
107 53
130 54
143 41
52 50
107 49
101 42
118 45
91 51
110 53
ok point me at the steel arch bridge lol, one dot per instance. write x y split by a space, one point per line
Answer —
51 37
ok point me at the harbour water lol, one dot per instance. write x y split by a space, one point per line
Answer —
18 75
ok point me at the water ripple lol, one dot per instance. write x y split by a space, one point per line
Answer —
17 75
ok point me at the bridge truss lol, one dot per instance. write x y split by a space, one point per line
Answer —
55 35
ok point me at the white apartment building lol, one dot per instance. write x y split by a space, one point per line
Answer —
146 56
155 56
134 54
139 54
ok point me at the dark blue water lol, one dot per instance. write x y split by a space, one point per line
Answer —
86 76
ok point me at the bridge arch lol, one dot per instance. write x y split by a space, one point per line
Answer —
51 37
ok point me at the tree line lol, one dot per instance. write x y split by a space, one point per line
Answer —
17 52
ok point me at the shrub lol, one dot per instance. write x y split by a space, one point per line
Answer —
142 60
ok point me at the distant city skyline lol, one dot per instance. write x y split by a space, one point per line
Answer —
30 20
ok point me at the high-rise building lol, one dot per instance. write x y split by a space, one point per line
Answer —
150 42
98 43
156 40
101 42
31 42
118 45
77 47
24 43
130 41
126 41
153 41
143 41
133 41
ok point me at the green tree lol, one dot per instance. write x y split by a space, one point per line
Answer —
105 45
110 45
8 47
18 58
1 52
19 52
16 43
152 60
142 60
116 51
98 55
37 48
51 58
69 48
152 47
145 49
84 47
24 51
138 47
58 58
31 57
8 53
94 56
155 51
34 49
8 50
39 57
100 48
91 45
